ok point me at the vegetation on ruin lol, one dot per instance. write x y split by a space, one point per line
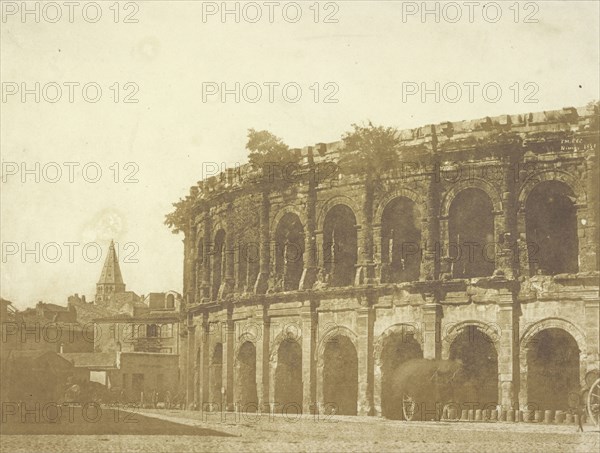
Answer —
178 219
369 150
265 148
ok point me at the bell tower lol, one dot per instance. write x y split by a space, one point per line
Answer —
111 280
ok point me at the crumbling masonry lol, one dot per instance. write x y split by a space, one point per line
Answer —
480 245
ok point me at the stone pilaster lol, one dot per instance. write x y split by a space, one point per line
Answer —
262 362
365 271
508 352
228 284
592 326
191 347
505 229
208 250
205 363
364 323
262 282
587 219
432 328
309 273
430 229
309 373
228 362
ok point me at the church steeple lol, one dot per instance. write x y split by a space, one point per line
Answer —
111 279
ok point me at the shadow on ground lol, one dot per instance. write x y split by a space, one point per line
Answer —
73 421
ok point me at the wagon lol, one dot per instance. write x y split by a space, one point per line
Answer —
593 397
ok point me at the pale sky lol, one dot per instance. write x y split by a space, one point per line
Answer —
167 136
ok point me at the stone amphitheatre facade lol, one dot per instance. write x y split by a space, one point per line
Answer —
480 246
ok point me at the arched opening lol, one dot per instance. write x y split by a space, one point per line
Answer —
288 378
216 376
170 301
340 376
471 231
551 228
553 370
248 264
340 245
218 267
246 378
289 251
397 348
478 382
400 241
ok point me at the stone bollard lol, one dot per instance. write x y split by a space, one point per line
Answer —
510 415
485 415
528 415
494 415
569 419
501 415
452 413
463 416
548 416
518 416
471 415
478 416
559 417
538 416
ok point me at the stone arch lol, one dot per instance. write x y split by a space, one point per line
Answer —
527 344
396 344
288 239
245 337
329 335
553 323
471 183
339 245
476 346
282 212
552 175
337 372
289 392
334 201
398 238
215 376
468 230
415 197
288 335
245 387
492 330
403 329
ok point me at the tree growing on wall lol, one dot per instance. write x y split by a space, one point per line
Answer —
179 218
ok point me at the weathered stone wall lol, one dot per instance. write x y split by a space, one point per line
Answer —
504 157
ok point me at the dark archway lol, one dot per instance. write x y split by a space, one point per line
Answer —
471 231
553 380
288 378
340 245
551 220
246 378
216 376
340 376
289 251
397 348
479 377
400 241
218 267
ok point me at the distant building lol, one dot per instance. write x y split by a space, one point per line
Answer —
110 289
153 327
